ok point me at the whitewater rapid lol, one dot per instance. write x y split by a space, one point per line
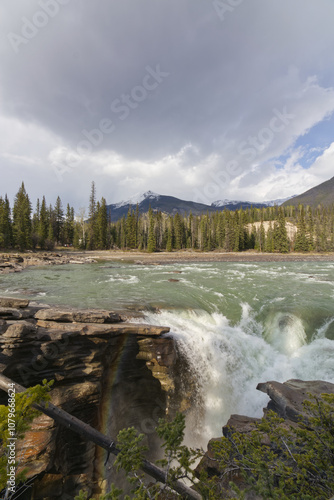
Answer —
228 361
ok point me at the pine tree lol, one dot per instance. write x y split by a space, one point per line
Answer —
281 241
229 232
102 225
6 235
69 226
236 232
92 213
35 224
178 231
137 224
262 237
169 245
220 234
269 244
151 240
302 242
22 220
131 229
190 236
43 224
50 240
59 221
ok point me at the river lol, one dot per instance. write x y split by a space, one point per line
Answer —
238 324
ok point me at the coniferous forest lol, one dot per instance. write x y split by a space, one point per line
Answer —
270 229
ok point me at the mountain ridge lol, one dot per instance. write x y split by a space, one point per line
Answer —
322 194
172 205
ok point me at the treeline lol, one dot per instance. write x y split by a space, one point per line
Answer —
270 229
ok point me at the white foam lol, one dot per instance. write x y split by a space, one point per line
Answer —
285 332
228 361
120 278
320 333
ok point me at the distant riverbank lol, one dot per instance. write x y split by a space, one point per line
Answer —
193 256
15 261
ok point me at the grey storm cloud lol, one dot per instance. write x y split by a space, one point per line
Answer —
145 78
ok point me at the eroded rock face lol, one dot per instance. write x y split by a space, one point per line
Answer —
109 373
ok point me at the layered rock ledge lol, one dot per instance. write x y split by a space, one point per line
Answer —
107 371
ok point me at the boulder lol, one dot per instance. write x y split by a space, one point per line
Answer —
19 330
16 314
13 302
287 399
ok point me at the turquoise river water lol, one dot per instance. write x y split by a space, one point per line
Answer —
238 324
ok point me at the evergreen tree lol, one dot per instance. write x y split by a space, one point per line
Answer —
262 237
281 241
137 224
59 221
169 245
229 232
43 224
131 229
92 213
204 237
302 242
35 225
178 231
50 240
190 236
269 244
22 220
6 235
220 234
236 232
151 241
102 225
69 226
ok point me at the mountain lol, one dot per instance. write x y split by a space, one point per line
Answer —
171 205
277 202
237 203
323 194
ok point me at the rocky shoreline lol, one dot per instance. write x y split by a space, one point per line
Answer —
16 262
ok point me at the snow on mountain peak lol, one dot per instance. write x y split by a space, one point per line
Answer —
278 202
222 203
137 198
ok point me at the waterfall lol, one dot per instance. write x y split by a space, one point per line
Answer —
229 360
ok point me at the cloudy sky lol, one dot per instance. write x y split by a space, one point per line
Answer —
199 99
